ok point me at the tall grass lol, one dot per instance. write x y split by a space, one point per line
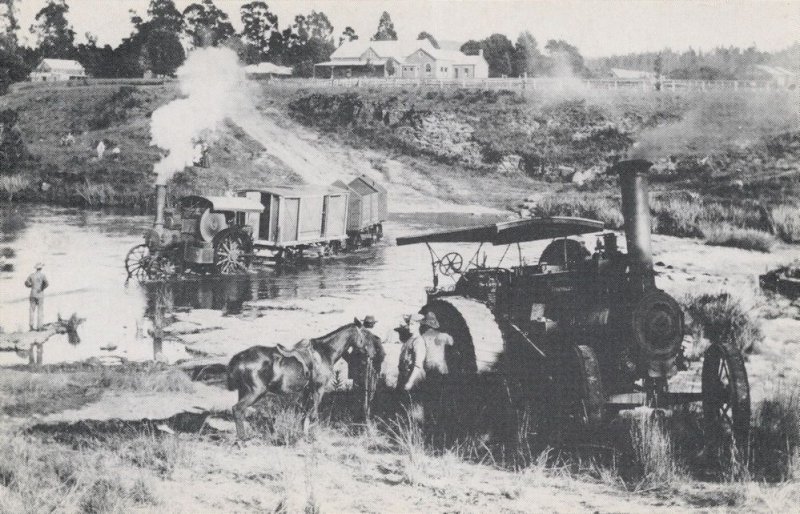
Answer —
653 451
775 436
725 234
787 222
13 184
37 478
722 318
594 207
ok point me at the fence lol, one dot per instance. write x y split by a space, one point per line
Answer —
532 84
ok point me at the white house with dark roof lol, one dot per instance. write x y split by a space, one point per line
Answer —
50 70
404 59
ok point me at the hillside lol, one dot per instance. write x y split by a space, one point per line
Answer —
739 145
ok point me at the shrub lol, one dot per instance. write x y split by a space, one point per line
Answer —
775 436
724 234
722 319
787 222
677 217
598 208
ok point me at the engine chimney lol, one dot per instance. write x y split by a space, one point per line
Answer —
161 203
636 212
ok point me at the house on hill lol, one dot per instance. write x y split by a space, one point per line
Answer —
52 70
781 76
402 59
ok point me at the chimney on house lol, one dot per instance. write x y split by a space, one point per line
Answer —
480 52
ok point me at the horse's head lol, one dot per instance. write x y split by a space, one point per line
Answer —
70 327
366 342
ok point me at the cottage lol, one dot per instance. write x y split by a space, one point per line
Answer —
51 70
405 59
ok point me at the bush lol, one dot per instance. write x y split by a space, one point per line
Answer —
598 208
677 217
775 436
722 319
724 234
787 222
653 452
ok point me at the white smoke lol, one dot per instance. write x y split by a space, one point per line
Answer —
215 87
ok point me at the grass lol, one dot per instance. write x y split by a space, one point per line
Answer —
787 222
724 234
57 388
654 452
775 437
722 318
45 478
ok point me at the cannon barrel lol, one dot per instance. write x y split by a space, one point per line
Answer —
636 213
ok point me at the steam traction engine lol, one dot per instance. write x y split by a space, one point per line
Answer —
591 329
205 233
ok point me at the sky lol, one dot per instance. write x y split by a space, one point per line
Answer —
597 27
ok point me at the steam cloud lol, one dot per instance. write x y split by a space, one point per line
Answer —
216 90
215 87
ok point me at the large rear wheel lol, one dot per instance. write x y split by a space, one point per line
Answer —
726 396
232 252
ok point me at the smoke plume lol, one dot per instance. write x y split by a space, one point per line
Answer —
215 87
716 121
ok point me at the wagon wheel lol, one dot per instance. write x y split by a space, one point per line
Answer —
451 264
231 253
165 265
137 262
726 395
582 387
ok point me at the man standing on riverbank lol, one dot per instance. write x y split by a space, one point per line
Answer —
37 282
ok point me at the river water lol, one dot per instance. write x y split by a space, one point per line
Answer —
83 252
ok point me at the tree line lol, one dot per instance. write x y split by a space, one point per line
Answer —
159 39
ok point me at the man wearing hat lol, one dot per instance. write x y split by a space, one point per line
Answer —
412 357
435 344
37 283
369 321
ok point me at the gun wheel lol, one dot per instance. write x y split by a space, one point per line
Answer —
582 387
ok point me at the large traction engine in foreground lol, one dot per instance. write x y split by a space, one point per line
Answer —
590 329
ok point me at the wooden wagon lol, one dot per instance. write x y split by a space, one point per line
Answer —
367 209
298 217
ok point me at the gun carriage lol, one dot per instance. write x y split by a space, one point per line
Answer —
591 328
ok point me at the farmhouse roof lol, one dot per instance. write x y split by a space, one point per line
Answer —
776 71
268 68
622 73
62 65
397 50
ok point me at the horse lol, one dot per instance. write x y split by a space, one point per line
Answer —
31 343
307 368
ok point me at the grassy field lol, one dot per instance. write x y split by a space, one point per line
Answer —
187 464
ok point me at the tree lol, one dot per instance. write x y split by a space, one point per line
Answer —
259 23
154 44
163 15
498 51
55 36
162 52
12 69
565 59
8 25
386 30
427 35
527 57
206 24
349 34
308 41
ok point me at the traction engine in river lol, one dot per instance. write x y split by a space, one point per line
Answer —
225 234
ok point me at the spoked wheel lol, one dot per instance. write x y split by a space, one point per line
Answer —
582 389
231 253
726 396
138 262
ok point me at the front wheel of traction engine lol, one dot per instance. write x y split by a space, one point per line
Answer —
726 397
582 399
232 252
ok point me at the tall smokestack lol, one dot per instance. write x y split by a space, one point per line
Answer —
636 212
161 203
